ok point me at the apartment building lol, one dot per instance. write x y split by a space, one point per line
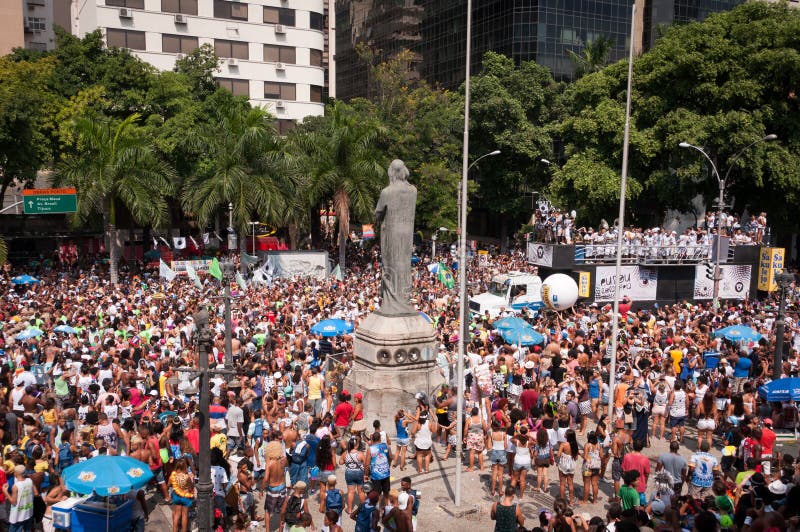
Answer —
272 51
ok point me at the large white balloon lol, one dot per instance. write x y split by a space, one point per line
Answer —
559 291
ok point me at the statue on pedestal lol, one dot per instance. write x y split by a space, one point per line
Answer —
395 214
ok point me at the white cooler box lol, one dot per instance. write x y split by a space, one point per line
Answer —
62 511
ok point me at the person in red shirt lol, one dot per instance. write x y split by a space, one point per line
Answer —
343 416
767 443
636 461
193 434
528 398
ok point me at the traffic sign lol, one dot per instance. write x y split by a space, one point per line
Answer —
49 200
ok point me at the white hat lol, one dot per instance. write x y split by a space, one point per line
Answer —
530 364
154 393
402 501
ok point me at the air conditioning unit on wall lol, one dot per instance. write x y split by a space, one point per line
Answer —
233 62
124 12
181 19
279 28
280 66
280 104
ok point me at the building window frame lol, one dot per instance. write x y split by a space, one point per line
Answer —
230 10
186 43
130 4
285 54
234 49
126 35
185 7
280 15
280 90
237 87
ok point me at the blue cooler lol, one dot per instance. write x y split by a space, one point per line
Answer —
62 511
712 359
94 515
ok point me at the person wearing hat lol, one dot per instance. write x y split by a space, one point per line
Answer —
295 507
342 417
400 514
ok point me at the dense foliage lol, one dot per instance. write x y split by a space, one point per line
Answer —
721 84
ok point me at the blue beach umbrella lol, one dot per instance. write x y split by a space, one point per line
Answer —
25 279
107 475
522 336
787 389
738 333
66 329
29 333
332 327
511 322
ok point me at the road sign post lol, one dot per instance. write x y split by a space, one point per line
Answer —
49 201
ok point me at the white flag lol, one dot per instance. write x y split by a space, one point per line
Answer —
206 238
179 242
192 273
165 271
241 282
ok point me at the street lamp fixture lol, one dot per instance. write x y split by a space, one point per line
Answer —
433 241
545 161
722 182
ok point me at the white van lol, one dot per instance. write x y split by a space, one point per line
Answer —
512 292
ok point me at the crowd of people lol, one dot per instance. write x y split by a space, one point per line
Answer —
284 426
553 226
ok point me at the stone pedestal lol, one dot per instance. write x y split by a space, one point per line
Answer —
394 359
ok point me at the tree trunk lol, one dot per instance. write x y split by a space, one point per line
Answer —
242 251
113 255
294 236
503 233
316 229
343 213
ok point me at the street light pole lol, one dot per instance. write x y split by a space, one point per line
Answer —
722 182
784 281
227 274
623 188
204 485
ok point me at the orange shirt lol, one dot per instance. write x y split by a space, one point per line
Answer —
620 393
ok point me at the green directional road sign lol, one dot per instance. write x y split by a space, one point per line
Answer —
49 200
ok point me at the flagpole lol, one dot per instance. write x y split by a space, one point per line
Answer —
620 228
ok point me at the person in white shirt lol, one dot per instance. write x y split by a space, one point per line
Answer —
235 419
20 514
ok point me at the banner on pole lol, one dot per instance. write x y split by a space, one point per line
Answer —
584 284
734 282
770 262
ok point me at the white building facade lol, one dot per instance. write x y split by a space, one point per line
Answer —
271 50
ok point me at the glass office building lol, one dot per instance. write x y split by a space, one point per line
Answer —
540 30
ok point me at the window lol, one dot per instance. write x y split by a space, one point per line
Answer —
236 49
317 21
279 15
279 91
125 39
283 54
316 58
230 10
37 23
187 7
133 4
283 126
178 44
239 87
316 93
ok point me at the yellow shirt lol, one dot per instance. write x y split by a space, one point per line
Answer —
162 380
314 387
676 355
49 417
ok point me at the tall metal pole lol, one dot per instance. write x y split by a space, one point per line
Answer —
717 270
433 246
226 278
784 281
462 267
204 485
621 226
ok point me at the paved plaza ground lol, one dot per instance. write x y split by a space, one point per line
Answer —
437 489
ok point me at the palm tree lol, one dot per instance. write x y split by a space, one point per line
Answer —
594 57
241 166
339 162
116 162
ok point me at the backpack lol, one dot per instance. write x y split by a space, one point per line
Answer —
258 428
300 453
364 518
293 507
333 500
415 506
65 456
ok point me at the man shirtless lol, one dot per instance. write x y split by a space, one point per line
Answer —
400 514
276 487
141 452
619 446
